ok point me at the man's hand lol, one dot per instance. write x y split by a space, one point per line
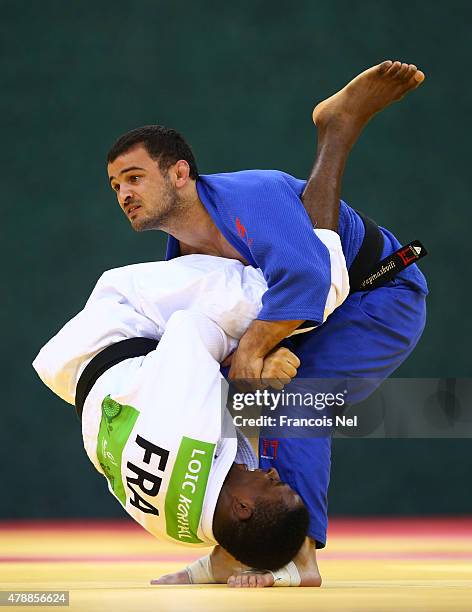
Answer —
246 369
279 367
260 338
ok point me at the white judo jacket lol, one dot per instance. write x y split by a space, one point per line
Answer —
155 426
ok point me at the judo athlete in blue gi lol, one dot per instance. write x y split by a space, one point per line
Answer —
266 219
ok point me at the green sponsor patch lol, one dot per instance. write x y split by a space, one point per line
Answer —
116 425
186 491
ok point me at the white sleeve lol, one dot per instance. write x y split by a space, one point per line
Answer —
339 288
224 290
111 314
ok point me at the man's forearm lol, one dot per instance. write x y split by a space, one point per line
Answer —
262 336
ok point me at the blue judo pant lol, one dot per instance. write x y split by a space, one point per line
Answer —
369 336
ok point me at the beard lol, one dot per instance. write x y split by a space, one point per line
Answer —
164 210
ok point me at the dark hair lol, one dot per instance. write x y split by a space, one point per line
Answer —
164 145
269 539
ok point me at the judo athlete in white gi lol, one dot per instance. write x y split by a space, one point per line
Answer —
154 426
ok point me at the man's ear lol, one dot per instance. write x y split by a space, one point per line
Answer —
242 509
181 171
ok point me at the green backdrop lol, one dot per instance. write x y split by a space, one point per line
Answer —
239 81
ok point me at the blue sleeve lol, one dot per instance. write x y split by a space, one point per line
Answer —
294 261
261 215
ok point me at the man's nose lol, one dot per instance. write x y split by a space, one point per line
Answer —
124 196
272 472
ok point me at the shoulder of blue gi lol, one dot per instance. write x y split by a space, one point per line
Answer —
261 214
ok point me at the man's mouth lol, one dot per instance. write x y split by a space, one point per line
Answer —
132 208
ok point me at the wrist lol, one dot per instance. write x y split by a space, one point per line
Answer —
247 348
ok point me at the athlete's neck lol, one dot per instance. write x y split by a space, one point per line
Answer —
195 230
193 226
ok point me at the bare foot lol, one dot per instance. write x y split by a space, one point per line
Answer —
305 561
367 94
223 565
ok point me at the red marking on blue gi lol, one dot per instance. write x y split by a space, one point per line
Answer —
241 229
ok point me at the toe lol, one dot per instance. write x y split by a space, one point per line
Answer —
384 66
416 80
410 72
419 76
394 68
402 73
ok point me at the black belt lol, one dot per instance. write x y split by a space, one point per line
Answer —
368 255
105 359
367 271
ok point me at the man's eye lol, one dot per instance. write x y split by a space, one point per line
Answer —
134 179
